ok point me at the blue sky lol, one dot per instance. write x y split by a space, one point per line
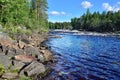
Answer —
64 10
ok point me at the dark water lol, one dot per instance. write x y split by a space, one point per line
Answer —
85 57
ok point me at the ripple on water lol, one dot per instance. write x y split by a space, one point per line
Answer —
85 57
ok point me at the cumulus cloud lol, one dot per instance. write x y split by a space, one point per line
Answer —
108 7
86 4
57 13
54 13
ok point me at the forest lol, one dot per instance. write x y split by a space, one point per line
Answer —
60 25
97 22
31 14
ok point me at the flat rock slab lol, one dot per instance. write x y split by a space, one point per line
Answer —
34 69
10 76
31 50
5 60
24 58
17 65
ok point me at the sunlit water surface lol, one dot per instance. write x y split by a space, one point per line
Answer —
85 57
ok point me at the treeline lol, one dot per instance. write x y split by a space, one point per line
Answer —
28 13
104 22
60 25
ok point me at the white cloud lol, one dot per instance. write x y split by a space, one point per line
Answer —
57 13
63 13
54 13
108 7
86 4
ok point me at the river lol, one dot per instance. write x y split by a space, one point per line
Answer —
85 57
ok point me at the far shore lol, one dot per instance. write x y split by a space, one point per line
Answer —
77 32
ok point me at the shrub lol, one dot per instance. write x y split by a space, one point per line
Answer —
2 69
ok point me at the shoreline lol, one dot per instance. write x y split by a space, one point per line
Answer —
25 55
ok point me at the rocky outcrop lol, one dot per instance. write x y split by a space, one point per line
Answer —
25 55
24 58
47 55
21 44
10 76
35 68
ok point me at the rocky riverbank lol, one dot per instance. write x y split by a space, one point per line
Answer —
24 56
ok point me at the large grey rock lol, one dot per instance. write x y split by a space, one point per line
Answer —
19 51
47 55
21 44
5 60
40 58
30 50
24 58
18 65
5 39
10 76
34 69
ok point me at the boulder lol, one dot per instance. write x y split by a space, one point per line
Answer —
10 76
30 50
21 44
5 60
5 39
34 69
25 41
24 58
19 51
18 65
40 58
47 55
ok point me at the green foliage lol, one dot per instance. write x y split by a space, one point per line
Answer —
29 13
104 22
60 25
2 69
22 77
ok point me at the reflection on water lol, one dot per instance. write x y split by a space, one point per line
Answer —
85 57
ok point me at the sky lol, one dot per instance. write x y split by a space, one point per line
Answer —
64 10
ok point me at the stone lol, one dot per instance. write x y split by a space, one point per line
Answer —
25 41
24 58
40 58
10 76
19 51
15 45
47 55
5 60
5 39
30 50
34 69
5 49
21 44
18 65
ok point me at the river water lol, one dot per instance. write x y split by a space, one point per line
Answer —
85 57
